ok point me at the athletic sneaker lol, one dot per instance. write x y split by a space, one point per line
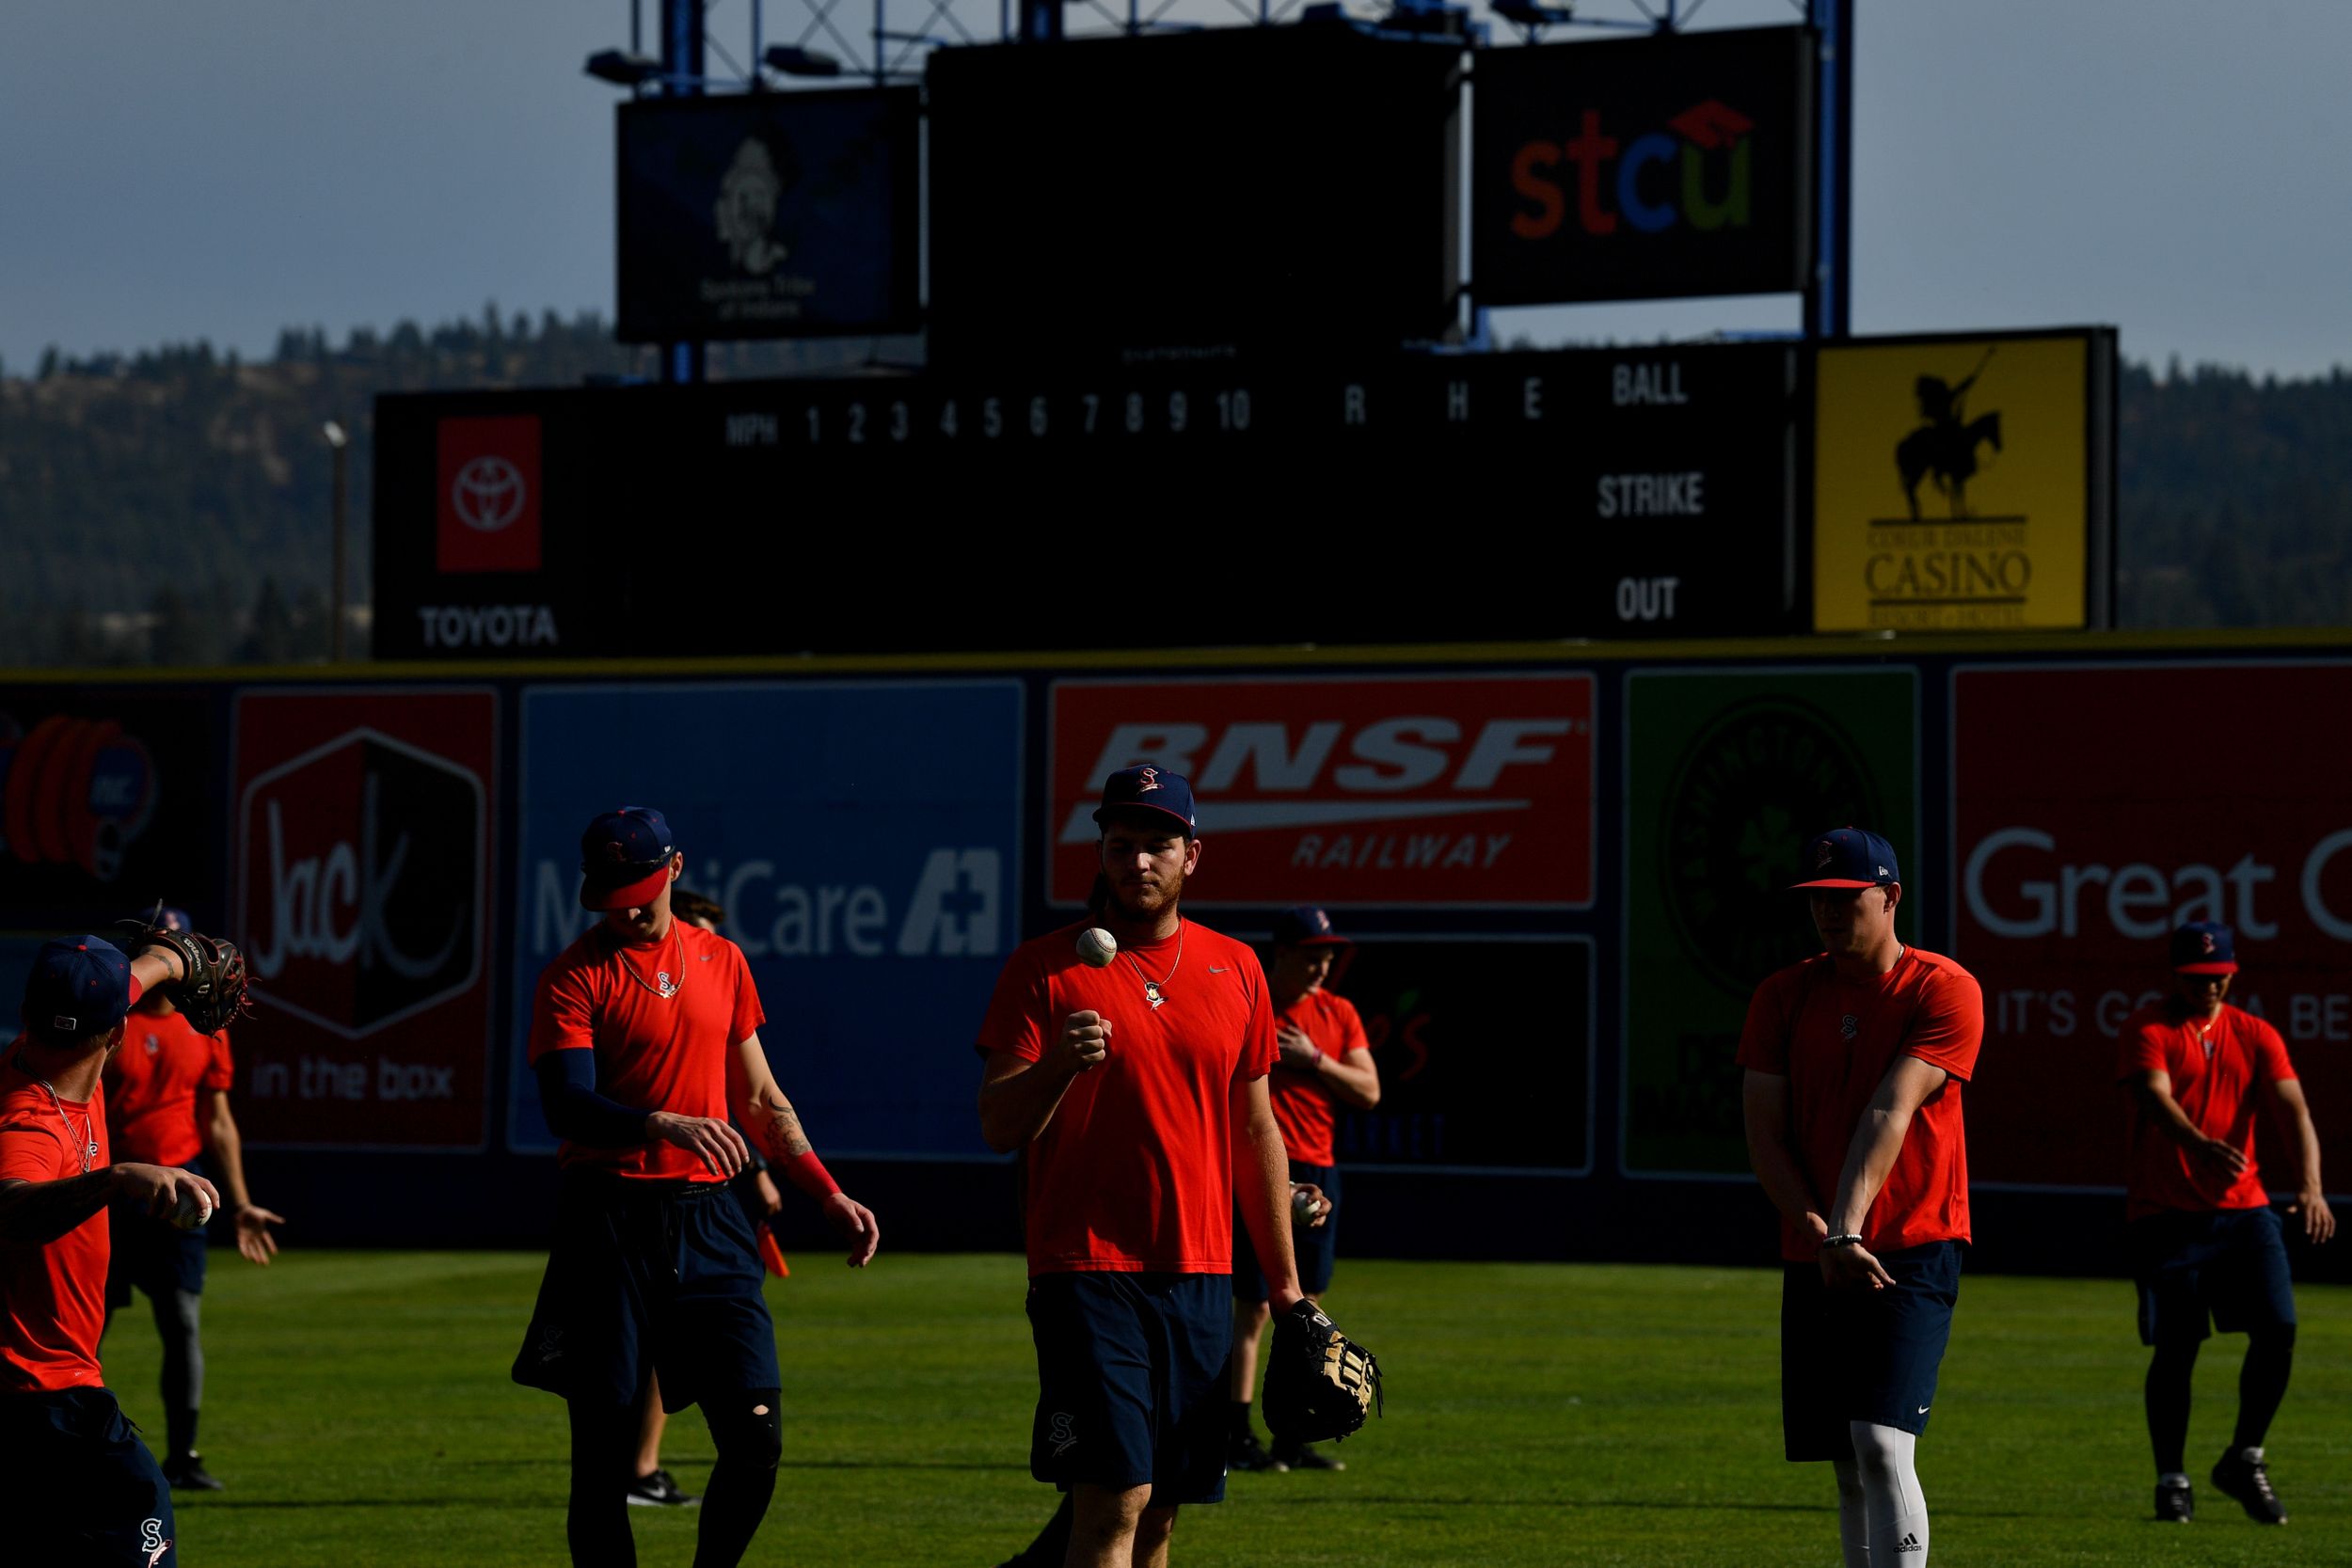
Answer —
1302 1456
1248 1454
186 1473
658 1491
2176 1502
2242 1474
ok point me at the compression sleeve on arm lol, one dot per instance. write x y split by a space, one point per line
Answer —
575 1112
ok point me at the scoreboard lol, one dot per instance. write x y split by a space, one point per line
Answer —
1580 494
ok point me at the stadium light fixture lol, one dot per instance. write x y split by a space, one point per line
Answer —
791 59
622 69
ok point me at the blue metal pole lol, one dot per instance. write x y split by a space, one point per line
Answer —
1829 303
682 64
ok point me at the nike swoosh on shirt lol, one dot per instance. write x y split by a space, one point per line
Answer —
1214 970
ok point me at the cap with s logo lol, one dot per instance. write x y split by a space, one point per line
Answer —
2204 948
1848 857
1307 926
1148 789
624 859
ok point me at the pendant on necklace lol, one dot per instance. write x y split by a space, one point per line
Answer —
667 987
1151 994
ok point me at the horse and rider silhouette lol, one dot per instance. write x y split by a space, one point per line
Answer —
1945 446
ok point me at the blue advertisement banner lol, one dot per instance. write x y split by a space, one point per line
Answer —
862 837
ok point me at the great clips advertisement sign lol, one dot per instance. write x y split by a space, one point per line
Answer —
2093 814
861 838
362 845
1465 793
1647 169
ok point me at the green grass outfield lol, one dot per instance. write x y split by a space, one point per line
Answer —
359 1410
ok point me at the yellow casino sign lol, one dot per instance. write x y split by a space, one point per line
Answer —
1964 483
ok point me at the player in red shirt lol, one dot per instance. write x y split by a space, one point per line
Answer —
1139 1093
167 1104
2205 1242
644 1034
1325 1063
76 1484
1854 1062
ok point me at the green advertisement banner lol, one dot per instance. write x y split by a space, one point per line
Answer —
1727 776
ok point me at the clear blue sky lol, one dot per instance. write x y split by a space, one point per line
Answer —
226 167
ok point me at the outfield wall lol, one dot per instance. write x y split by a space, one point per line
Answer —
1564 864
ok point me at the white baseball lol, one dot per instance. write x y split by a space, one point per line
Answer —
1303 1207
1097 946
194 1210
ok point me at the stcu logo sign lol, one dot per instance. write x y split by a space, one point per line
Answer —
488 494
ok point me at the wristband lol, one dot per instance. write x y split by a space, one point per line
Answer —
807 1172
1848 1239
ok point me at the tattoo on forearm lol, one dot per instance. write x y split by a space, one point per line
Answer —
781 1138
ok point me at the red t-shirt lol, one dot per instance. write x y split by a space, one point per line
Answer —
653 1053
1135 1172
153 1080
53 1296
1834 1040
2216 1090
1302 1101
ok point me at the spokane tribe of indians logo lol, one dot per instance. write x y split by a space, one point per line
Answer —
1946 446
488 494
360 883
73 792
746 209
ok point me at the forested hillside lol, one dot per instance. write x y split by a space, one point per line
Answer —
173 507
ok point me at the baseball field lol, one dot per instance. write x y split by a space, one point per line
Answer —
359 1410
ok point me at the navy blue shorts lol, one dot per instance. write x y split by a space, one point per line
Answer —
156 1257
1862 1354
1314 1247
646 1276
1131 1373
78 1485
2229 1267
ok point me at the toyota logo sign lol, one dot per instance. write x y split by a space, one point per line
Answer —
488 494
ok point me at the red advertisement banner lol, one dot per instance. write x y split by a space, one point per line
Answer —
2095 809
1462 793
362 870
487 512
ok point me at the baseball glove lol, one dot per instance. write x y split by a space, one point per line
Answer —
1320 1385
210 994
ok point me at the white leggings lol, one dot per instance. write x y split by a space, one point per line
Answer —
1878 1500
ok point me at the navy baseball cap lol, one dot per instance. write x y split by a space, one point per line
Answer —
1850 856
1306 926
624 859
175 920
2204 948
80 988
1152 789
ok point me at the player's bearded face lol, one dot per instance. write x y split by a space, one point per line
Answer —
1145 866
2202 993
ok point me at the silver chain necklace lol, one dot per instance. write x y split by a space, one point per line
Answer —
668 985
88 1140
1151 986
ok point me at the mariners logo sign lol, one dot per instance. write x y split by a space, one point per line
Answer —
1474 791
1961 484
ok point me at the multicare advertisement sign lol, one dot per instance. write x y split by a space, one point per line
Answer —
1469 792
862 840
2091 819
1727 775
1964 483
363 840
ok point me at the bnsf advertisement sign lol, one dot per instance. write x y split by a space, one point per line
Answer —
362 901
2099 808
1472 792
